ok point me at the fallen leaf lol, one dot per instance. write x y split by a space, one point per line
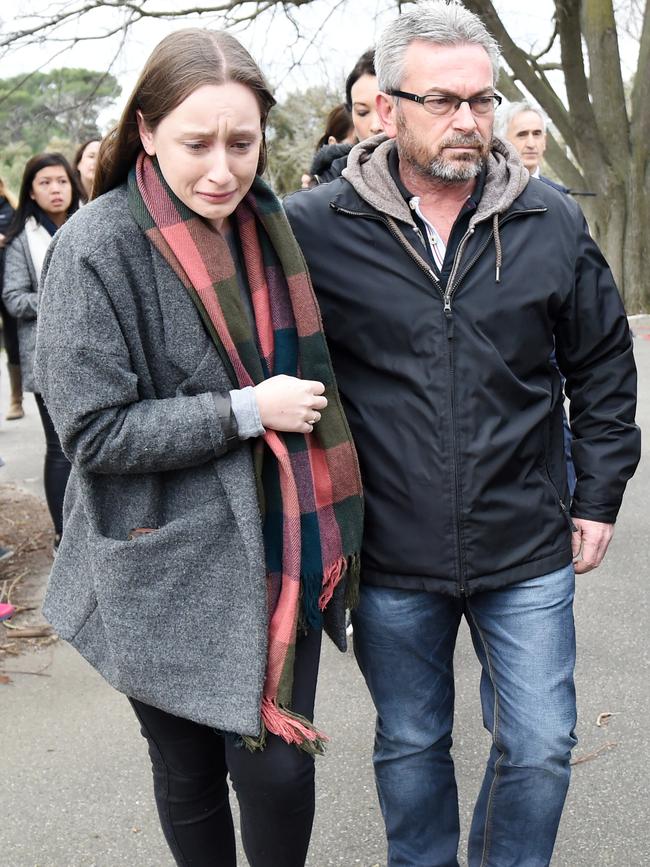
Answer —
604 717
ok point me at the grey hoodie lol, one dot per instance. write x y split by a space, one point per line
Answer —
506 179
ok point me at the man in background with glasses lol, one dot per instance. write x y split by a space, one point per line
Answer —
444 275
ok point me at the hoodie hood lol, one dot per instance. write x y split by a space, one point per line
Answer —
367 171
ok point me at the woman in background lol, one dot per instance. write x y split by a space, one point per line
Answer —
360 102
361 96
85 161
337 139
339 128
48 196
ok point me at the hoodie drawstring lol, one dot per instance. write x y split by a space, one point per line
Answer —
497 244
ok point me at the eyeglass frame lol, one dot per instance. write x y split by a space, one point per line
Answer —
421 100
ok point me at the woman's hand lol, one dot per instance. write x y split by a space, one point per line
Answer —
290 404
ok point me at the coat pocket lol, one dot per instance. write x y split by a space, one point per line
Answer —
180 600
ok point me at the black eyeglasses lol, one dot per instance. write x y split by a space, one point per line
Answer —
445 104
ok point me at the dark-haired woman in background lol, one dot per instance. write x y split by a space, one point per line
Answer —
337 139
48 195
360 96
85 162
339 128
360 103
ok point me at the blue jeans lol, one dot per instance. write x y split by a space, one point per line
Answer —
524 637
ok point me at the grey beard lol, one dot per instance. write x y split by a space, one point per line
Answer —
456 173
448 173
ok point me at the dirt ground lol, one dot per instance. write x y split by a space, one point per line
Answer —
25 527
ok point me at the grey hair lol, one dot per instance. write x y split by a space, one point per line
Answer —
508 113
438 22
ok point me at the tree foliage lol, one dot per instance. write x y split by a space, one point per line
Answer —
63 103
295 125
50 111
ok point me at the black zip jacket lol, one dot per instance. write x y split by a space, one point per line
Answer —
454 405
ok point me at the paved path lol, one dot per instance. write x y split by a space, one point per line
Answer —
75 783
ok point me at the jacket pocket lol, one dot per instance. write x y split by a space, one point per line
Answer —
546 476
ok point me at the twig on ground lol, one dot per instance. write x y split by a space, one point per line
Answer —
36 673
29 631
594 755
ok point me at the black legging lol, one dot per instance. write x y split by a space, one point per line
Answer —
57 468
9 334
274 787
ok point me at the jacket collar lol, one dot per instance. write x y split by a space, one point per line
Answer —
368 173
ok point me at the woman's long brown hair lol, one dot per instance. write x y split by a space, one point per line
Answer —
181 63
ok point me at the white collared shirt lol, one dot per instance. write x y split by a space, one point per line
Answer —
437 245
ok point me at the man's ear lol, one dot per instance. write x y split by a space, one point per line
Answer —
146 136
386 109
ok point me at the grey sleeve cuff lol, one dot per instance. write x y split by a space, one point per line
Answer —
246 412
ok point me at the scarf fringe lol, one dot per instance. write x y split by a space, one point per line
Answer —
291 727
318 590
344 567
331 577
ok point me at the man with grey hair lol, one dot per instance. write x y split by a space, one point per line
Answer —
524 126
444 275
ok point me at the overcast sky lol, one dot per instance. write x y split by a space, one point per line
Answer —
332 35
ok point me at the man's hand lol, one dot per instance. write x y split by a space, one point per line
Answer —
589 543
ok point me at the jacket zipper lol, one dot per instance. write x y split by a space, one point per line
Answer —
565 511
421 263
451 285
446 296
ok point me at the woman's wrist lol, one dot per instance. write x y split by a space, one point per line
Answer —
247 413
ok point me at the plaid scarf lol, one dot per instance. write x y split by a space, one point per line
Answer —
309 484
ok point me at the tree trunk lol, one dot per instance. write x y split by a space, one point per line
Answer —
619 220
637 235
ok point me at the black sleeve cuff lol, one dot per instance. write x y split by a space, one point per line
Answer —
228 421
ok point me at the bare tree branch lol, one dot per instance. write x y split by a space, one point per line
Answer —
606 81
640 134
123 28
231 10
520 63
550 45
332 11
629 17
588 145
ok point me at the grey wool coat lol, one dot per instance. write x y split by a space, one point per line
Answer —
20 294
176 617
